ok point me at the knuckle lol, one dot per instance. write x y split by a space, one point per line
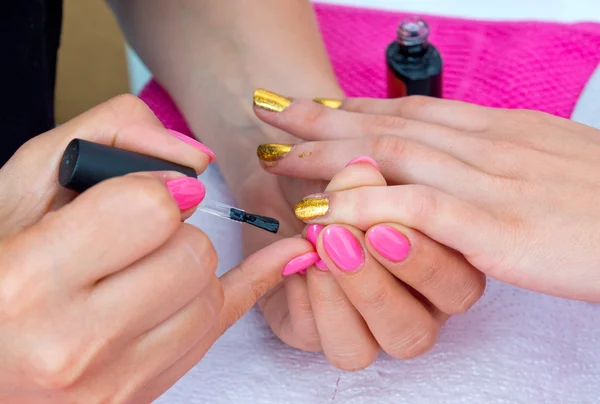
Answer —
199 247
21 289
55 367
378 301
151 199
414 341
389 148
416 102
352 358
314 115
127 105
431 272
384 124
421 203
472 293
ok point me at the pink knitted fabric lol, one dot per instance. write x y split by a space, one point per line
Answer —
532 65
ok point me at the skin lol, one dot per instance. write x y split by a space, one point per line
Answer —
108 296
211 55
513 191
372 305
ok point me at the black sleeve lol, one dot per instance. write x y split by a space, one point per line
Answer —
29 41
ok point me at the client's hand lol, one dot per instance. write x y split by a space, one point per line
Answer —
516 192
108 297
391 289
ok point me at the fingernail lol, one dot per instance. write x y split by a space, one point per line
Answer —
364 160
389 242
300 263
270 101
187 192
329 102
343 248
194 143
270 152
312 207
312 234
321 265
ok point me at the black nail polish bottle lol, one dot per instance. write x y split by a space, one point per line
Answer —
414 65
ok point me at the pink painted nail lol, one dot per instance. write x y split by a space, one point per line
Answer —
187 192
194 143
364 159
300 263
343 248
389 242
312 234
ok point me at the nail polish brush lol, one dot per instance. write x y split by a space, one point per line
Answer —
85 164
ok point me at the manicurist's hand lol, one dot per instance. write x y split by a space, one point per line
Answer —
516 192
107 296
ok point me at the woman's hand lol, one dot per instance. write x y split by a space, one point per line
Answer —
109 297
390 289
516 192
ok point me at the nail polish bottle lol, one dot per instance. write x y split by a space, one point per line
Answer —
414 66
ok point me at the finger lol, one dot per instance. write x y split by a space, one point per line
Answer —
124 122
312 121
155 287
440 274
243 286
453 114
289 313
442 217
256 275
401 324
400 162
107 228
353 349
360 171
145 359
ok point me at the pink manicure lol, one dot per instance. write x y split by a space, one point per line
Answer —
187 192
343 248
300 263
389 242
365 160
194 143
312 235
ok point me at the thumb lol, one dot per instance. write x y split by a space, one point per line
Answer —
245 284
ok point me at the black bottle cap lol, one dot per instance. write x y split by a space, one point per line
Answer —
84 164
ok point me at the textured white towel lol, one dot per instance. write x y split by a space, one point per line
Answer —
514 346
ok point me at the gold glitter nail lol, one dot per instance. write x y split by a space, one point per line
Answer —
273 151
270 101
312 207
329 102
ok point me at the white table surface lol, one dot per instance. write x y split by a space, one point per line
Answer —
547 10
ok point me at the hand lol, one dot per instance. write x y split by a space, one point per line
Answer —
391 289
108 297
516 192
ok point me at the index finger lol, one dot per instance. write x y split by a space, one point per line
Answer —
255 276
124 122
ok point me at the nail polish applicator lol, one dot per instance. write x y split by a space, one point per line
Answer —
85 164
